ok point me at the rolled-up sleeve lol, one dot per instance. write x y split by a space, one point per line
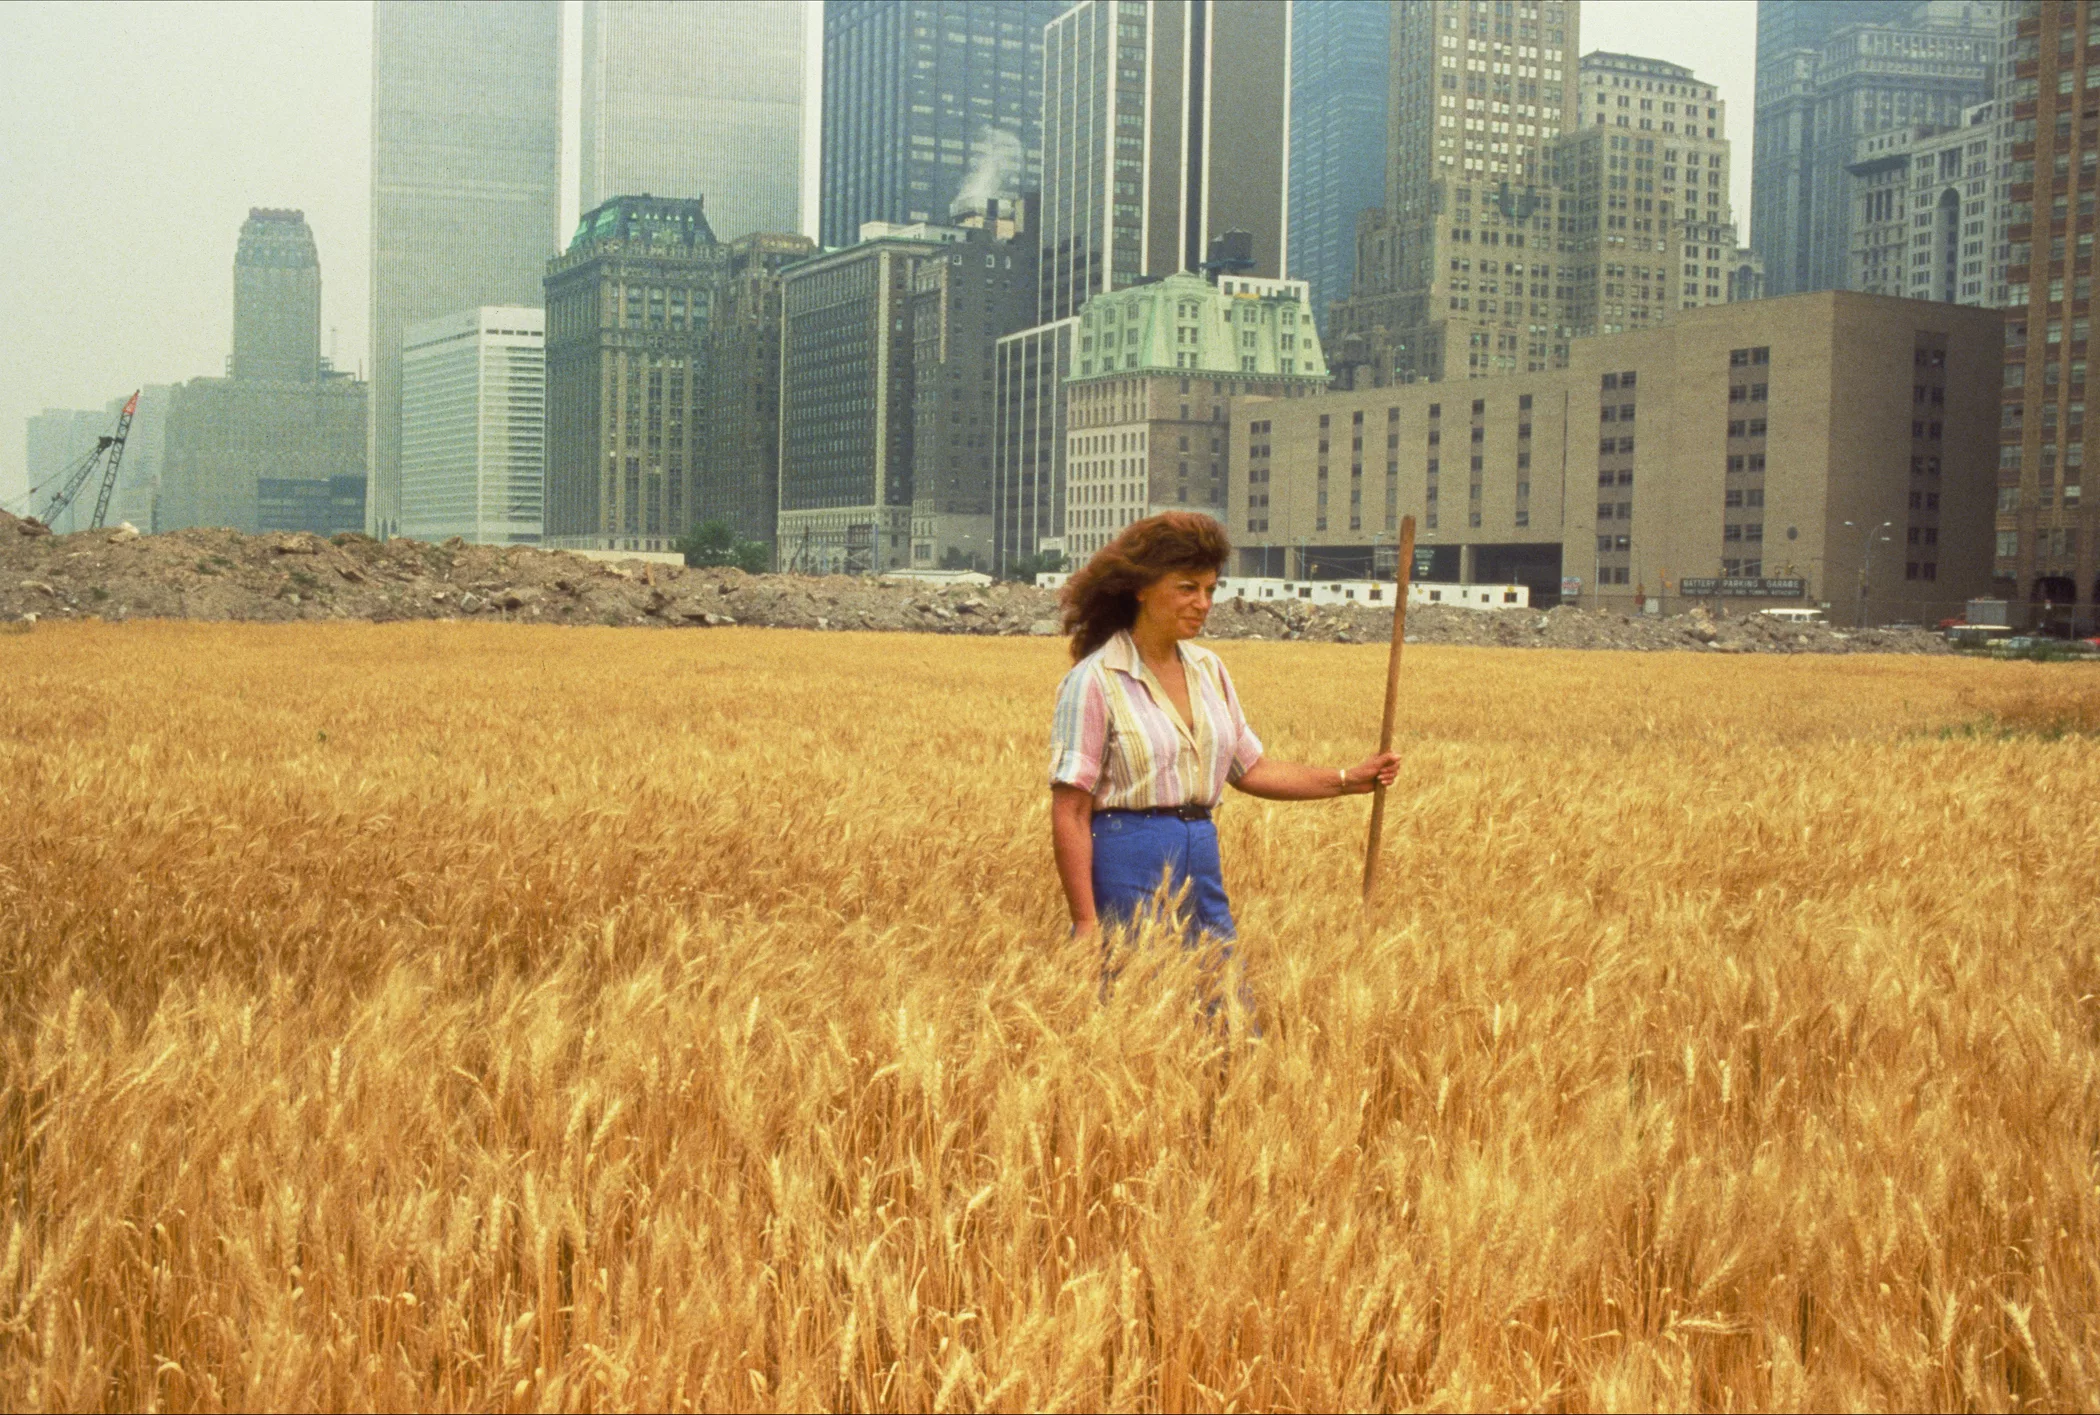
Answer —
1246 747
1079 731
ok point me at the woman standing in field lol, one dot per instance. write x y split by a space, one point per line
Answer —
1149 732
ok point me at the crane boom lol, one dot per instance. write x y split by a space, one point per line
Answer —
116 458
76 478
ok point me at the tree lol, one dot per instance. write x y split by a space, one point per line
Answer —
956 558
1025 568
713 545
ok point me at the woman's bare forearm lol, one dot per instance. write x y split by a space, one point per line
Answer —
1289 781
1072 840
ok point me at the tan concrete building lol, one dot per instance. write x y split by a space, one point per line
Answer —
1776 452
1643 187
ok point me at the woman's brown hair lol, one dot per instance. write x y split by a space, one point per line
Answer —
1100 600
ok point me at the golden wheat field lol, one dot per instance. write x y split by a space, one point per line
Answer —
491 1017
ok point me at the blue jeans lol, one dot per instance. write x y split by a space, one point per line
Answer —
1133 852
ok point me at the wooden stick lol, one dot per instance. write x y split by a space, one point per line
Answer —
1392 697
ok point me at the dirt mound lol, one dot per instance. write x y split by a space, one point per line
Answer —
209 574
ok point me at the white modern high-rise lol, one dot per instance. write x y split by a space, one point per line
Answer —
696 100
466 183
473 426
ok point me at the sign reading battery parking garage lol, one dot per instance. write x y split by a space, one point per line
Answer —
1746 589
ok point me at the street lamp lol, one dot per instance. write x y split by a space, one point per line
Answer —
1866 566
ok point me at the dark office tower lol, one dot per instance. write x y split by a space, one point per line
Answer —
739 481
962 305
1340 69
846 404
2048 531
925 101
1828 75
276 298
1162 127
466 180
629 306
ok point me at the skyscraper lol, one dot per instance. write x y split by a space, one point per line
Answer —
1790 34
1933 192
474 426
1163 131
1162 128
2048 531
739 480
1455 279
629 310
925 100
279 444
846 383
686 100
1646 228
466 182
1340 75
961 306
1829 75
276 298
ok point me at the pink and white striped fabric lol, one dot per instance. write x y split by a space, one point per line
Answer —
1118 735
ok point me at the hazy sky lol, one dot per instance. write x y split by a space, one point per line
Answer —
136 136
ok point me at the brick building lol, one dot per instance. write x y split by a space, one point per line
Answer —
2045 556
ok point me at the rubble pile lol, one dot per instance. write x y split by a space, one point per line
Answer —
211 574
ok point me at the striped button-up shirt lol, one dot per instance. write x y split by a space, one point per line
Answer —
1119 736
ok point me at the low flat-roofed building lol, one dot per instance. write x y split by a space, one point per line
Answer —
1774 452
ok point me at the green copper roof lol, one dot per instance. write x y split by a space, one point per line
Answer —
1250 328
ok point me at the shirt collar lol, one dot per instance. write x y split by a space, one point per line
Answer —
1121 654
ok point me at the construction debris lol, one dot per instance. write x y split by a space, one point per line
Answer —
223 575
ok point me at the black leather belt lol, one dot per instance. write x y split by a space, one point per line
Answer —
1187 813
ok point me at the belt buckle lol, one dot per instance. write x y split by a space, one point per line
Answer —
1191 813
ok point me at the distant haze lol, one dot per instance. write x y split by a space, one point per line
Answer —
137 136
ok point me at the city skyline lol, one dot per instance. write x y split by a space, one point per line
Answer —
145 131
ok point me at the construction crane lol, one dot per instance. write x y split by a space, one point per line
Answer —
76 476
